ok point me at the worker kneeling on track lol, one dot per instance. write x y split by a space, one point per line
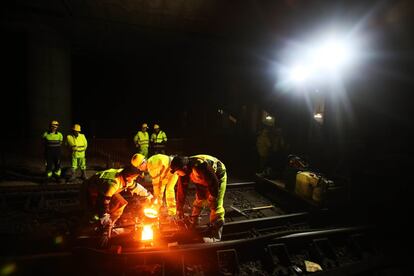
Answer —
210 179
103 201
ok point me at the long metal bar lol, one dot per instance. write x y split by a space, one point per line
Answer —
245 225
239 211
258 208
240 184
242 211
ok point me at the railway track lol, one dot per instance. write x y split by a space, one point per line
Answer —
265 238
335 251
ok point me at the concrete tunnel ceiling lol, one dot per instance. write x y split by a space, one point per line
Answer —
114 25
123 28
106 25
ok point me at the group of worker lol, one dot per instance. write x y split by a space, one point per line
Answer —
170 178
53 141
77 143
153 144
208 174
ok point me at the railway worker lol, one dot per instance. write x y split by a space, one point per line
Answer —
210 178
163 181
78 145
53 140
158 140
102 194
141 140
264 147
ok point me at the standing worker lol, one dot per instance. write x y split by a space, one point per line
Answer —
158 140
278 154
78 144
210 179
263 146
158 167
141 140
53 141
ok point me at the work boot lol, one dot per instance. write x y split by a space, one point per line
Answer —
57 173
214 232
72 176
49 174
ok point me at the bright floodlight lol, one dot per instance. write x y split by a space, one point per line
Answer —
332 54
319 60
298 73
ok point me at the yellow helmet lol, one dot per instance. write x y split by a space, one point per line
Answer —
76 127
137 159
156 126
54 123
144 125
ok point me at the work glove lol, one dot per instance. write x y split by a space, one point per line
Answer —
106 220
149 200
217 224
214 229
106 228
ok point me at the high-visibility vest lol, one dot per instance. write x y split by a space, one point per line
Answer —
159 165
159 137
142 139
110 182
77 144
53 139
215 163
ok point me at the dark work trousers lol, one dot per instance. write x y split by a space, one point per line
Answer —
52 159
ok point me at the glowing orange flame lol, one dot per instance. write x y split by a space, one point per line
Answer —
150 213
147 233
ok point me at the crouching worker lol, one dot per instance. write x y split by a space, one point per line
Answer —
210 179
103 201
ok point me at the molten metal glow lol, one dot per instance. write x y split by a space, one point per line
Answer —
147 233
150 213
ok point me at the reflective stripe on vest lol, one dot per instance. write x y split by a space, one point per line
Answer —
78 144
143 138
158 137
53 139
